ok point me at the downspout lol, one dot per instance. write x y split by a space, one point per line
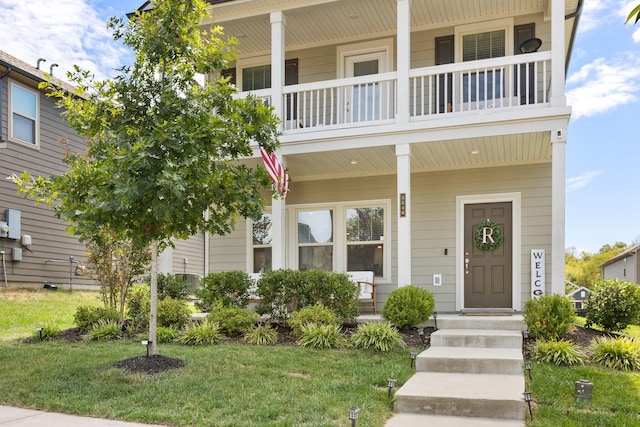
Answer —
575 15
2 76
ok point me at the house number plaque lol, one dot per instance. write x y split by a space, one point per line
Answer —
403 205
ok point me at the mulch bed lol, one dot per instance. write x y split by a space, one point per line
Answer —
155 364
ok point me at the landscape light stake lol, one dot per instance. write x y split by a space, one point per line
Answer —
39 329
413 355
435 320
527 366
525 338
353 415
146 343
421 334
527 398
391 383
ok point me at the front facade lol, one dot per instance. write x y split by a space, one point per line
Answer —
624 266
406 125
34 248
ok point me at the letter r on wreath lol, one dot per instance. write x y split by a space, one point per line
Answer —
487 235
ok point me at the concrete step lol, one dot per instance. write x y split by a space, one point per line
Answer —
474 360
476 338
513 322
420 420
463 395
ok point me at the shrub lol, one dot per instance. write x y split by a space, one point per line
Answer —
138 304
173 312
86 316
284 291
231 288
377 336
560 353
549 317
233 321
47 332
321 336
104 330
621 353
200 333
171 285
166 334
408 306
317 313
613 304
261 335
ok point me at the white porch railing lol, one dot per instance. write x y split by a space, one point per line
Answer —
510 81
350 101
507 82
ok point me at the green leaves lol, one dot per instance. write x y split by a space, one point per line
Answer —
635 12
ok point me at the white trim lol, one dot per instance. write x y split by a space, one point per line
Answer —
36 136
505 24
383 47
516 212
254 61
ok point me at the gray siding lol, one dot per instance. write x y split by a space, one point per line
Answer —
193 251
623 269
50 241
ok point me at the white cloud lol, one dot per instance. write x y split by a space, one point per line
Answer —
63 32
603 85
580 181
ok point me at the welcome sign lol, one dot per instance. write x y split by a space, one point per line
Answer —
538 284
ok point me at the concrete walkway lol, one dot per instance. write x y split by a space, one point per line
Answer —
18 417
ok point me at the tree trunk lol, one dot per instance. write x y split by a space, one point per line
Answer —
153 345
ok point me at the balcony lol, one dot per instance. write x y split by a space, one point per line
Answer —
466 88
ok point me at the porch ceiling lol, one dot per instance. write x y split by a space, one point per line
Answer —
500 150
320 22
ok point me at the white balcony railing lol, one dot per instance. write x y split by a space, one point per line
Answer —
466 87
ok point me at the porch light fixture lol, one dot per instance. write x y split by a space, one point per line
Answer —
475 151
527 398
146 344
353 415
527 366
391 383
435 319
413 356
39 329
354 162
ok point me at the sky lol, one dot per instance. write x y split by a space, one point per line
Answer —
603 88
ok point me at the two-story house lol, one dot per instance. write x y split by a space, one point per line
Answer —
406 125
624 266
34 248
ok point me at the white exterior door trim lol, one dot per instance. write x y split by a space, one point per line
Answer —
516 205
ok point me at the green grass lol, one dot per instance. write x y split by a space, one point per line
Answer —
227 384
615 400
23 310
630 331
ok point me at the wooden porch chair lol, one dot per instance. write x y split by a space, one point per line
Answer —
364 281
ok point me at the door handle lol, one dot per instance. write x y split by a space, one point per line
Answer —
466 266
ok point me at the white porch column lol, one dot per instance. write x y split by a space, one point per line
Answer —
278 246
558 145
277 62
404 59
403 154
557 53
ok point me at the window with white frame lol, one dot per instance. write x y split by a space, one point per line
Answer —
261 242
23 120
364 228
256 78
315 239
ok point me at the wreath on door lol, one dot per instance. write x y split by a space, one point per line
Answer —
487 236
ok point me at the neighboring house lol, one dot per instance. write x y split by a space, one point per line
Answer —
35 248
405 124
578 295
625 266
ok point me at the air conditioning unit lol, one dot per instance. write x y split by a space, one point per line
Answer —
193 281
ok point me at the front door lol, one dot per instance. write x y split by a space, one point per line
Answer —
364 102
487 273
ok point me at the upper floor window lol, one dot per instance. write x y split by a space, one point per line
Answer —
487 45
23 123
256 78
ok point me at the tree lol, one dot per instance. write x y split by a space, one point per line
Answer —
162 148
584 270
634 13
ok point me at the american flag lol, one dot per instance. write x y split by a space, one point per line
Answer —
276 171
